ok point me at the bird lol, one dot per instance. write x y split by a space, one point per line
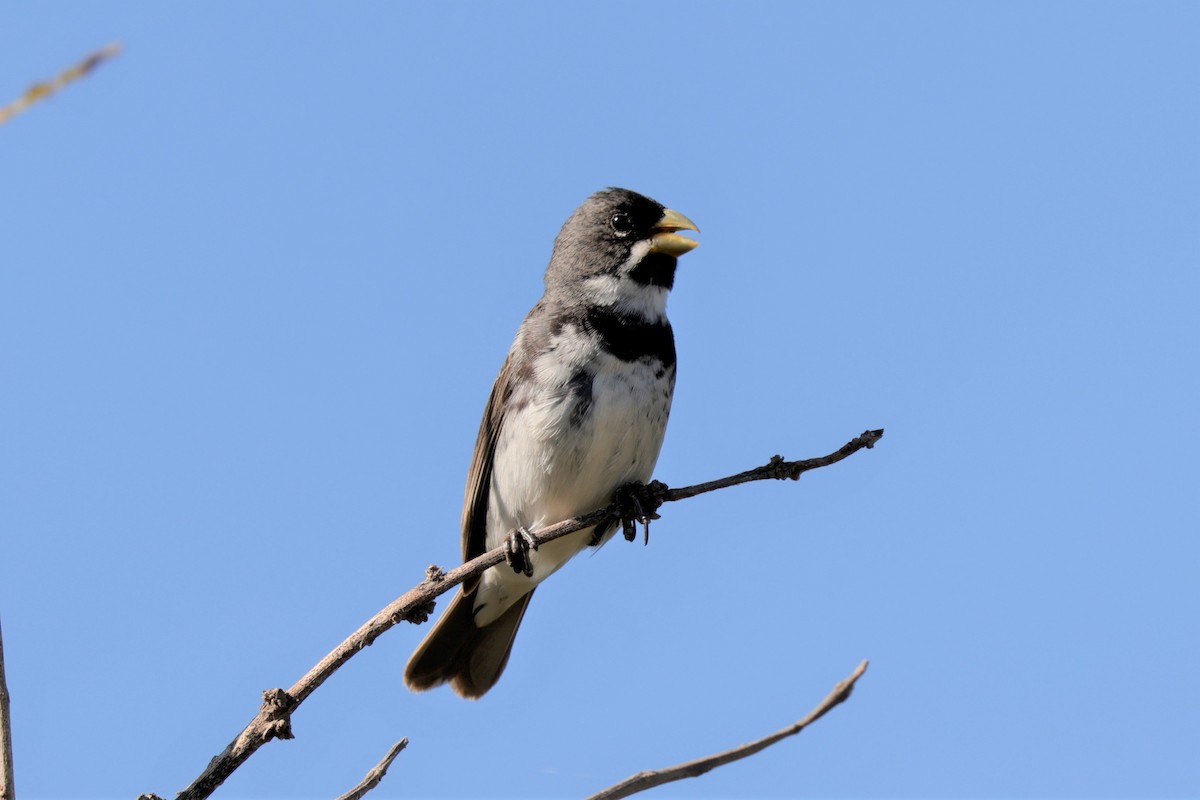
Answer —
577 415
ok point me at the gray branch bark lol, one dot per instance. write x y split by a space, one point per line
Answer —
274 719
376 774
8 790
691 769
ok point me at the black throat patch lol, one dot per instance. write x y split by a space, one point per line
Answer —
656 269
630 337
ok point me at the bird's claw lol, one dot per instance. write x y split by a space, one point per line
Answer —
638 502
517 547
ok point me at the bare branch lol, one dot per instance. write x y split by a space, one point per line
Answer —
274 717
691 769
42 90
376 774
8 789
779 469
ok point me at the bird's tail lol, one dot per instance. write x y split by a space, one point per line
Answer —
469 658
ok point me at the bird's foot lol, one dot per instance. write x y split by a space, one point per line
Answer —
638 502
517 547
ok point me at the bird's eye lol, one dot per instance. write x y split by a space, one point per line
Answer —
621 223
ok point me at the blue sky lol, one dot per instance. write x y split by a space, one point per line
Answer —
260 271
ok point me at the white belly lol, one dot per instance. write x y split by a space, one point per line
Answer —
553 462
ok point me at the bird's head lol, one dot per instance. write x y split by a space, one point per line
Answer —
618 243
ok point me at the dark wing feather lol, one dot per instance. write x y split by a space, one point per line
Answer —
479 477
471 659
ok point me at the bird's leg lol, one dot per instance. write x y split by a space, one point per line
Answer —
516 551
638 502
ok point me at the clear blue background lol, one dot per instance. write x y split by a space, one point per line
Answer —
259 272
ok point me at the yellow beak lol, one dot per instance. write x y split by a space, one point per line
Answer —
666 240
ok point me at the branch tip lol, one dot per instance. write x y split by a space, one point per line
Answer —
647 779
43 89
376 773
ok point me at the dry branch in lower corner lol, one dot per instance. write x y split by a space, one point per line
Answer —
274 717
376 774
691 769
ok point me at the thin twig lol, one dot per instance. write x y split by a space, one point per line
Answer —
273 720
691 769
779 469
376 774
42 90
8 789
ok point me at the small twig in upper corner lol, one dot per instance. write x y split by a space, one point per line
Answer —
43 89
